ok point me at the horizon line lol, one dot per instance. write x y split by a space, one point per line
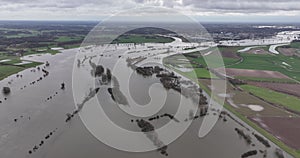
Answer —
98 21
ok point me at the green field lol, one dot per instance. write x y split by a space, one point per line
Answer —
180 61
253 61
67 38
256 62
272 63
26 33
262 131
295 45
259 79
294 153
71 46
227 55
13 59
34 51
282 99
214 61
8 68
199 73
23 38
232 49
6 71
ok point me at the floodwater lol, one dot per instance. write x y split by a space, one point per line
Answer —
36 117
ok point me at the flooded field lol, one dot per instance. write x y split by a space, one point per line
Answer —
32 117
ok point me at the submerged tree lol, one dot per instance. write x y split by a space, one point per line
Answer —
99 70
6 90
78 62
108 74
62 86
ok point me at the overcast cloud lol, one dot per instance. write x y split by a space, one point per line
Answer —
99 9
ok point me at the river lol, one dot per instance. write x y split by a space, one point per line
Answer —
36 117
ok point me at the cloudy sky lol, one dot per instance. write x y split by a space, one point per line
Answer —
203 10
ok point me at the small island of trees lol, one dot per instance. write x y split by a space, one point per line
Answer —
6 90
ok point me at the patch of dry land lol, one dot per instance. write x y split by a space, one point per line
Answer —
285 129
289 51
287 88
255 73
257 51
247 104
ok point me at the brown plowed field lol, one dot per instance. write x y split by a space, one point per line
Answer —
229 54
255 73
288 51
284 128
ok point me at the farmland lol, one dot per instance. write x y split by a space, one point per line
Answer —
283 128
11 65
36 38
269 89
213 58
282 99
258 75
290 66
191 69
287 88
240 101
199 73
266 80
40 37
255 73
258 51
229 52
291 50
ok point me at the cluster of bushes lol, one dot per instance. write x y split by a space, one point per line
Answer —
6 90
245 136
145 126
236 81
262 140
145 71
279 153
249 153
